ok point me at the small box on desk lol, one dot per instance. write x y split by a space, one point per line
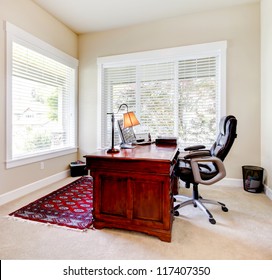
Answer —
77 168
166 140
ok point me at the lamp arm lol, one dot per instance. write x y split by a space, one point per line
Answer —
112 124
112 150
124 104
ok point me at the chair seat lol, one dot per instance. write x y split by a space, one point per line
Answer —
184 171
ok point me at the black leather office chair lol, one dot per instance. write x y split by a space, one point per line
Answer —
206 167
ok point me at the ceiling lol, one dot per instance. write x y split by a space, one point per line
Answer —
83 16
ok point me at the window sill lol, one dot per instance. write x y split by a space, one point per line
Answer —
40 157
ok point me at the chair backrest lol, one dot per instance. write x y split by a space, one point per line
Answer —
225 138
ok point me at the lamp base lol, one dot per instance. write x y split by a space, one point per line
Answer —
113 151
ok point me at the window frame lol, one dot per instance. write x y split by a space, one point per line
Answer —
15 34
165 55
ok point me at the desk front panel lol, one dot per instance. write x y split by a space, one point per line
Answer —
141 200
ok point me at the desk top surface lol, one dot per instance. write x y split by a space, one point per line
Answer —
149 152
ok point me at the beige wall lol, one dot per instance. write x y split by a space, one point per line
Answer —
240 26
28 16
266 89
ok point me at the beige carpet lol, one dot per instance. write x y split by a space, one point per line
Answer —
245 232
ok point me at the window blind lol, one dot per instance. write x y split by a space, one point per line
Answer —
198 100
157 98
42 109
119 86
179 95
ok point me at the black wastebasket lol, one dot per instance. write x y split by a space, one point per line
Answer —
253 178
78 168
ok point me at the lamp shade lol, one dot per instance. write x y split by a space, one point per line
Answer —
130 119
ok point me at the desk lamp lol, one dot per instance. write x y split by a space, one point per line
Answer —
129 120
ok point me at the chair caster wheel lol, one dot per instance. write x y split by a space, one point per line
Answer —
225 209
212 221
176 213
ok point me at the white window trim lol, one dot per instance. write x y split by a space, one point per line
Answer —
16 34
164 55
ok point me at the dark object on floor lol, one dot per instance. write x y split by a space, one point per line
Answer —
253 178
78 168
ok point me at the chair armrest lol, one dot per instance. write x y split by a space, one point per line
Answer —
196 173
194 154
193 148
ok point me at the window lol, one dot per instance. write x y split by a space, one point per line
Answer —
178 91
41 99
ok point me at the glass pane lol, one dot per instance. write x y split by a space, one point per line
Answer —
43 116
197 111
37 117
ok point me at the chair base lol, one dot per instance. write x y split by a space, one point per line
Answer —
198 202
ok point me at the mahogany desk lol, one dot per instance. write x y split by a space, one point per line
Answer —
133 189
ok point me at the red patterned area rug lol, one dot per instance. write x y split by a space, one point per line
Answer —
69 206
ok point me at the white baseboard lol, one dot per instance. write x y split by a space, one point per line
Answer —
239 183
9 196
230 182
268 191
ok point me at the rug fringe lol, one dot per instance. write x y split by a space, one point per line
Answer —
22 220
